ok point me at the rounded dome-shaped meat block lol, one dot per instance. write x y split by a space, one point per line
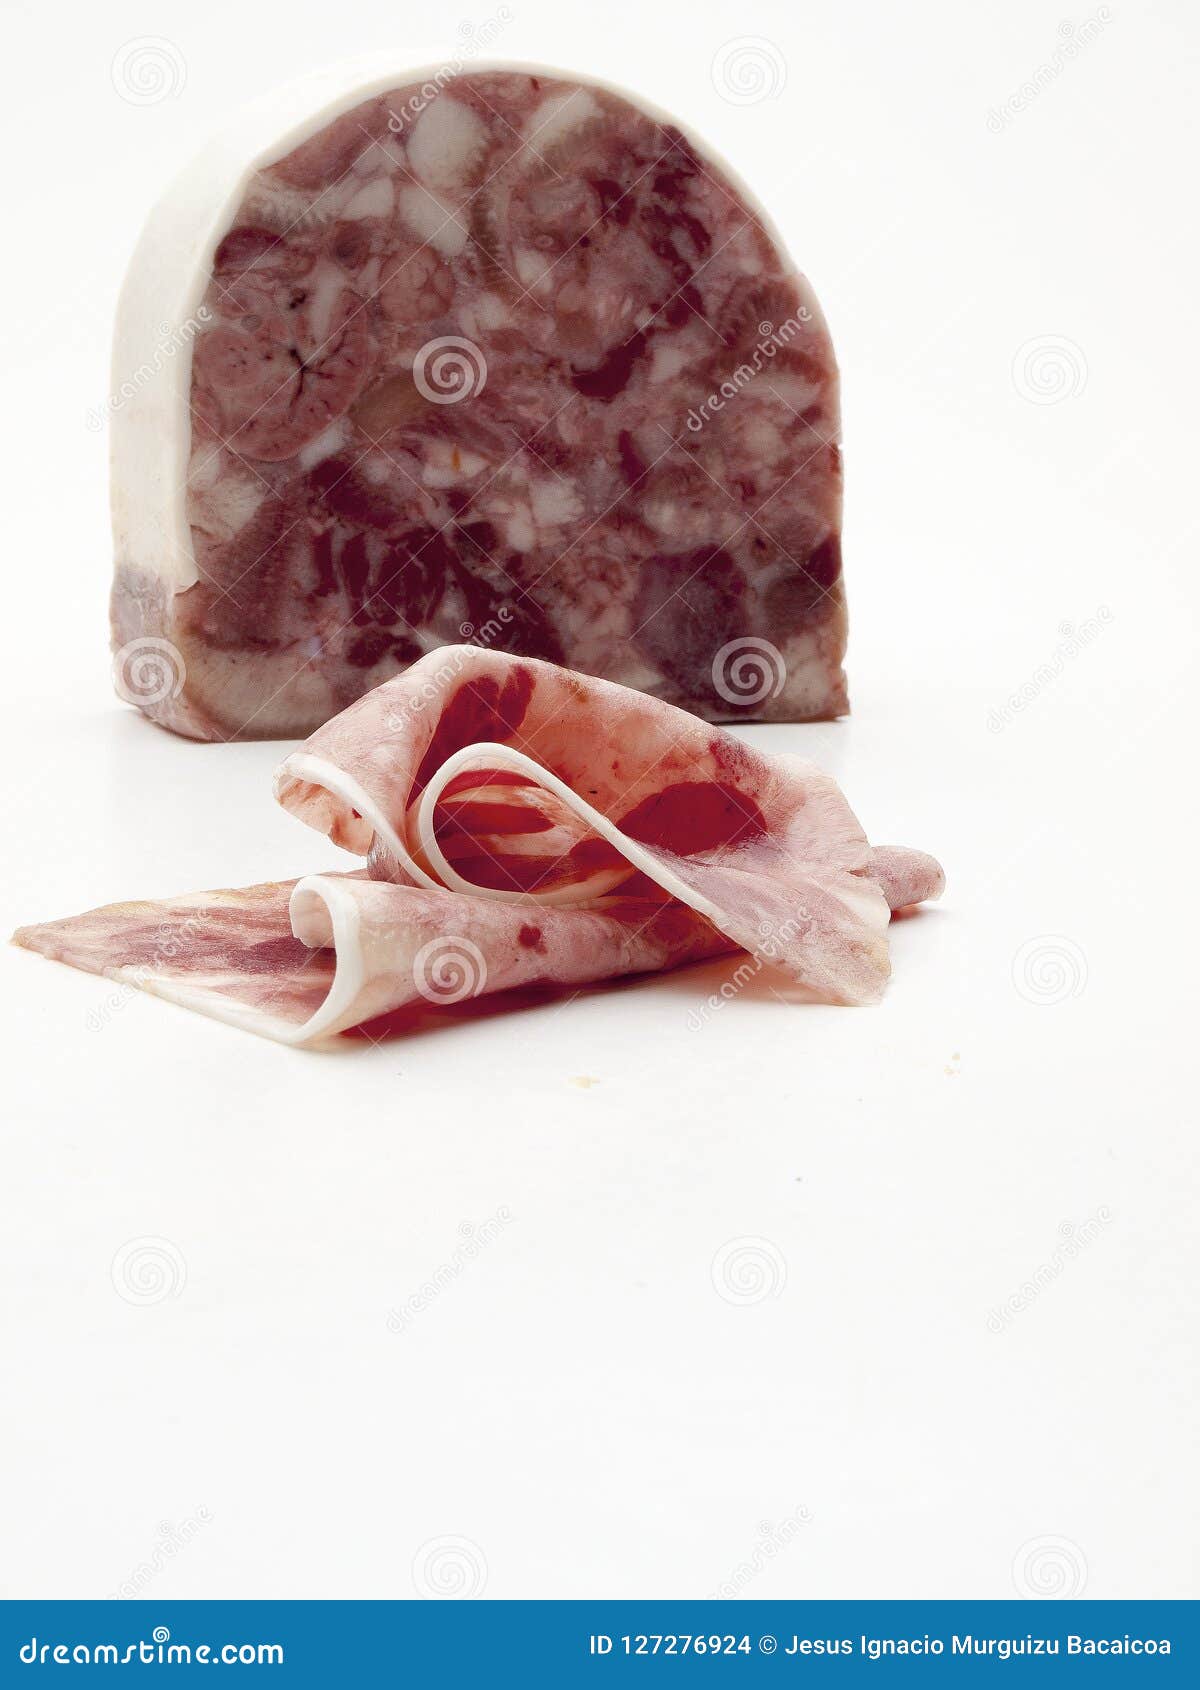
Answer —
503 357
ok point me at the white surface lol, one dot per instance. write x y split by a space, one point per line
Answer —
580 1403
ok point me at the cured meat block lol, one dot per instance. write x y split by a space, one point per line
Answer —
504 357
519 824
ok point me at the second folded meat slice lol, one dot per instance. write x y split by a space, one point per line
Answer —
300 960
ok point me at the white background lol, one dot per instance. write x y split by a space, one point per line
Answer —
580 1406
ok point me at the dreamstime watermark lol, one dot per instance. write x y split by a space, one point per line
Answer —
748 671
168 943
772 939
449 969
1049 969
449 369
1072 39
749 69
148 1270
172 1540
748 1270
155 1650
1074 641
1049 1567
487 633
146 671
170 342
771 342
1072 1242
773 1540
432 689
147 70
474 1240
1048 369
475 39
449 1567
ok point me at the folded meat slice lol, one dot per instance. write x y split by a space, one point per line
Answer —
231 954
519 824
300 960
516 781
905 877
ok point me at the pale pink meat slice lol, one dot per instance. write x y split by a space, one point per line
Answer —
906 877
301 960
521 825
512 779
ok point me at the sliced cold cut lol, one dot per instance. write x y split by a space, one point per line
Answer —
519 824
300 960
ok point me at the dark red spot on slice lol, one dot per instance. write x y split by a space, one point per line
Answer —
694 816
510 873
474 818
469 779
591 854
480 710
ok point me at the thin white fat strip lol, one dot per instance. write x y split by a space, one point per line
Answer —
221 1008
492 756
317 771
190 992
324 915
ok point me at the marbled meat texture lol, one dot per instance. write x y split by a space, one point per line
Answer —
518 367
